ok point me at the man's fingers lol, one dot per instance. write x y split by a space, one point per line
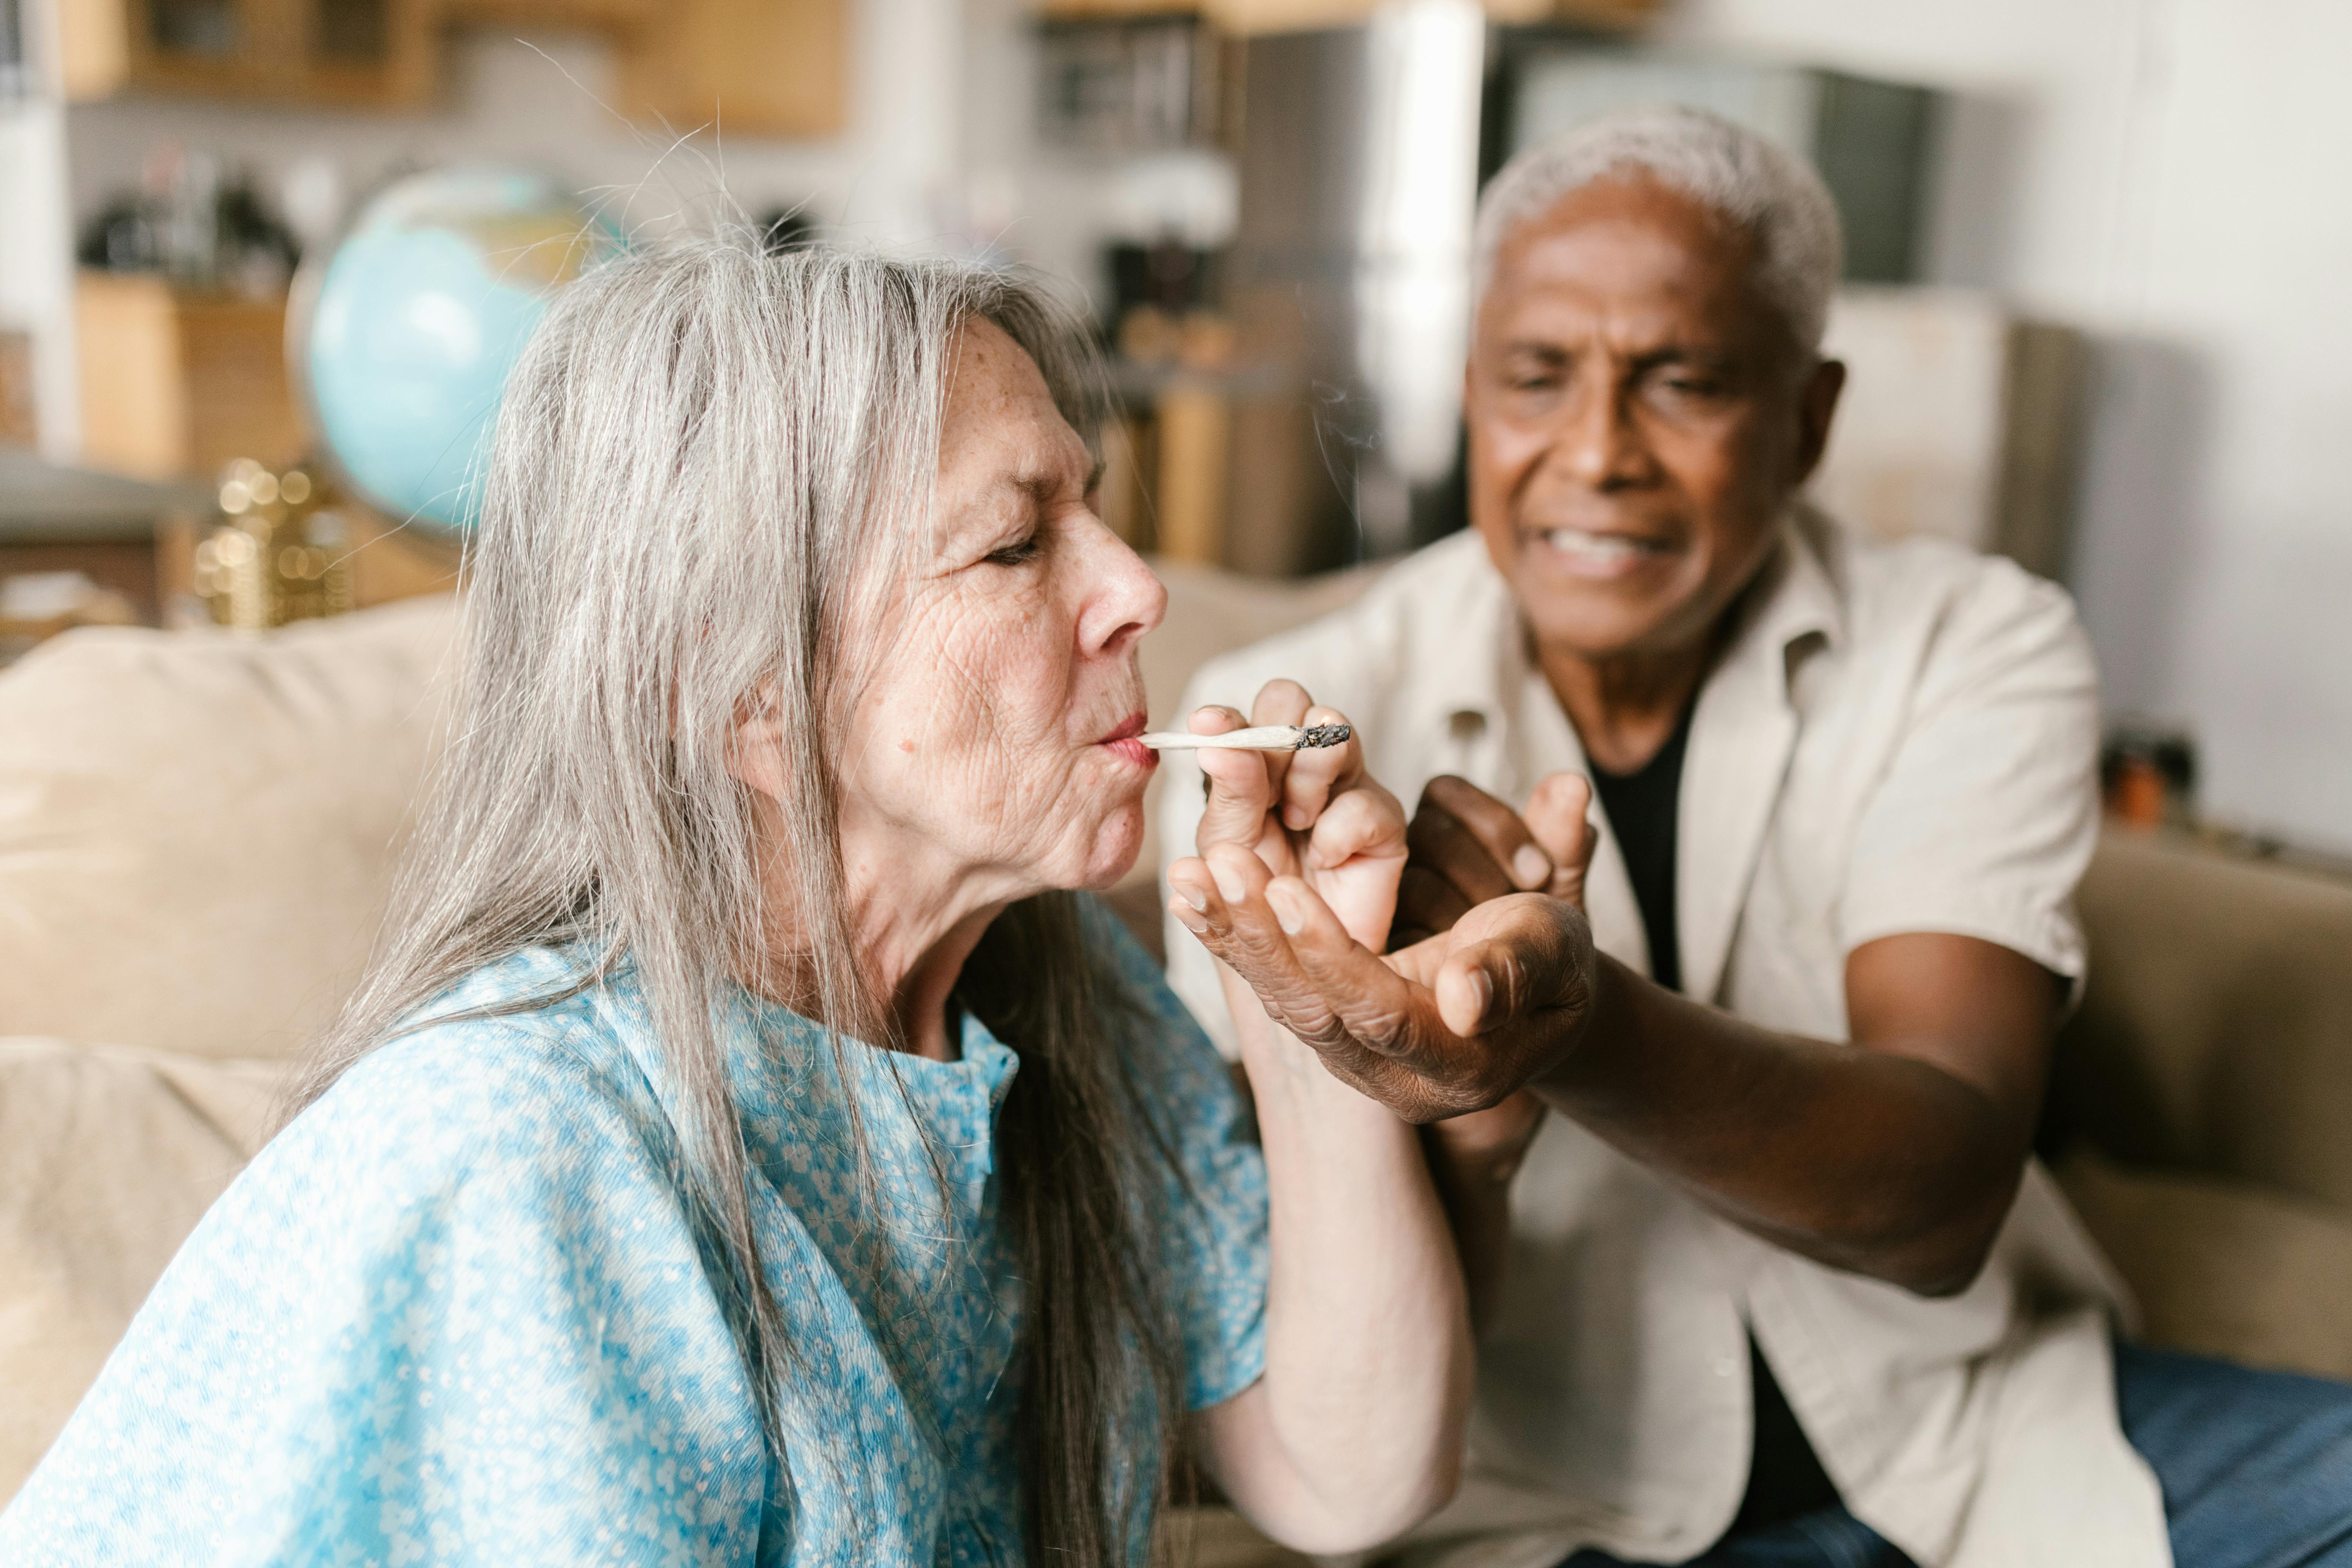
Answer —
1437 842
1426 904
1559 816
1512 958
1496 828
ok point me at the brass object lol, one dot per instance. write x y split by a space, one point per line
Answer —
281 553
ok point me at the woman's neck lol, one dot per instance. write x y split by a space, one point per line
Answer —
1624 707
914 920
916 995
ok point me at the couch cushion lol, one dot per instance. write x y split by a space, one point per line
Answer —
195 828
2215 1034
2226 1269
107 1157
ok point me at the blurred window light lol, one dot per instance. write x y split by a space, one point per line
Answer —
1426 67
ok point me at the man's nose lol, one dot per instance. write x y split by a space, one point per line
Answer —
1601 443
1123 599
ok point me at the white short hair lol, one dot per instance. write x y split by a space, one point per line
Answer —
1756 182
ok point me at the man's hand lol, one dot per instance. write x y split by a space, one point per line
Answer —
1456 1022
1468 847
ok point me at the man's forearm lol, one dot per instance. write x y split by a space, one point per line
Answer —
1864 1160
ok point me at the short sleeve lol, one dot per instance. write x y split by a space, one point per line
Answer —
1988 813
1214 1255
452 1314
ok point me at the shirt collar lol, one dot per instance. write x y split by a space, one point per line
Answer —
1793 602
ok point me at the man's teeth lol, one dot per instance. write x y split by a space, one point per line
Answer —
1610 547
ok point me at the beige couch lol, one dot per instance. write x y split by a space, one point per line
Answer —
195 839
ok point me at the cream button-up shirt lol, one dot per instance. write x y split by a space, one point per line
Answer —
1899 737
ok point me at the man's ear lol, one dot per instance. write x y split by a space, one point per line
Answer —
1817 404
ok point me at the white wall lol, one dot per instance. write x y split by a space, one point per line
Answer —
2175 176
36 271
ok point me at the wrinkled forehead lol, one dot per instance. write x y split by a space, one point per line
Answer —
1636 252
1000 427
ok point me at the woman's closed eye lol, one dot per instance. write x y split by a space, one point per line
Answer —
1021 552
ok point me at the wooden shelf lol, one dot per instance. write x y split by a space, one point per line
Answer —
761 67
176 383
1244 18
369 54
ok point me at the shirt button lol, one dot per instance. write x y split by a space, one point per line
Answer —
1725 1366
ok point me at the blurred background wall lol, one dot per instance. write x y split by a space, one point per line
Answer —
2176 177
2167 177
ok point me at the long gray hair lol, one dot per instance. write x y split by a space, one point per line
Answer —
712 469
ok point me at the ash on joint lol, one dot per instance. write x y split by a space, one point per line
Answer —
1325 735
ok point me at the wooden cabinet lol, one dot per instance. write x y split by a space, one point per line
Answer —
363 52
755 68
176 382
1246 18
758 68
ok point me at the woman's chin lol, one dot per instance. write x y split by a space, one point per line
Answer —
1111 851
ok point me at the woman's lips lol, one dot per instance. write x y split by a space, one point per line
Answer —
1122 742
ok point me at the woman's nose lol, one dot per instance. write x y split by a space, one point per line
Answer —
1123 599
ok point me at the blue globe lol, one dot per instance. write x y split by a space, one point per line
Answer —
406 340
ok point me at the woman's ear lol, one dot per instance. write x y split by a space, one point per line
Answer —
755 750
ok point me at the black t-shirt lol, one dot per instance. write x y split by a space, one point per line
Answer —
1785 1478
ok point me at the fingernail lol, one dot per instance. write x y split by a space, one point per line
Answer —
1190 920
1287 912
1192 896
1531 866
1228 883
1295 817
1482 991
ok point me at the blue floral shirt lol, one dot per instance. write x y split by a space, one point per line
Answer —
456 1314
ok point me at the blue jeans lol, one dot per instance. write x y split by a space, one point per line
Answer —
2257 1468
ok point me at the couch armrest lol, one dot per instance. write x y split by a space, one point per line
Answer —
2215 1034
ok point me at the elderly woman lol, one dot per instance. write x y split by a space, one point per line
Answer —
746 1147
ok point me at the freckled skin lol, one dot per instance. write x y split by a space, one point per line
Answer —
1010 656
973 774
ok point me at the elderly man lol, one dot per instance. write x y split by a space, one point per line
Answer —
1784 1285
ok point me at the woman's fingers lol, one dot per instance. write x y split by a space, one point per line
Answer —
1239 789
1263 929
1318 774
1559 816
1281 702
1365 820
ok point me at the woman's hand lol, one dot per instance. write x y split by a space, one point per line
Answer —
1313 814
1355 1431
